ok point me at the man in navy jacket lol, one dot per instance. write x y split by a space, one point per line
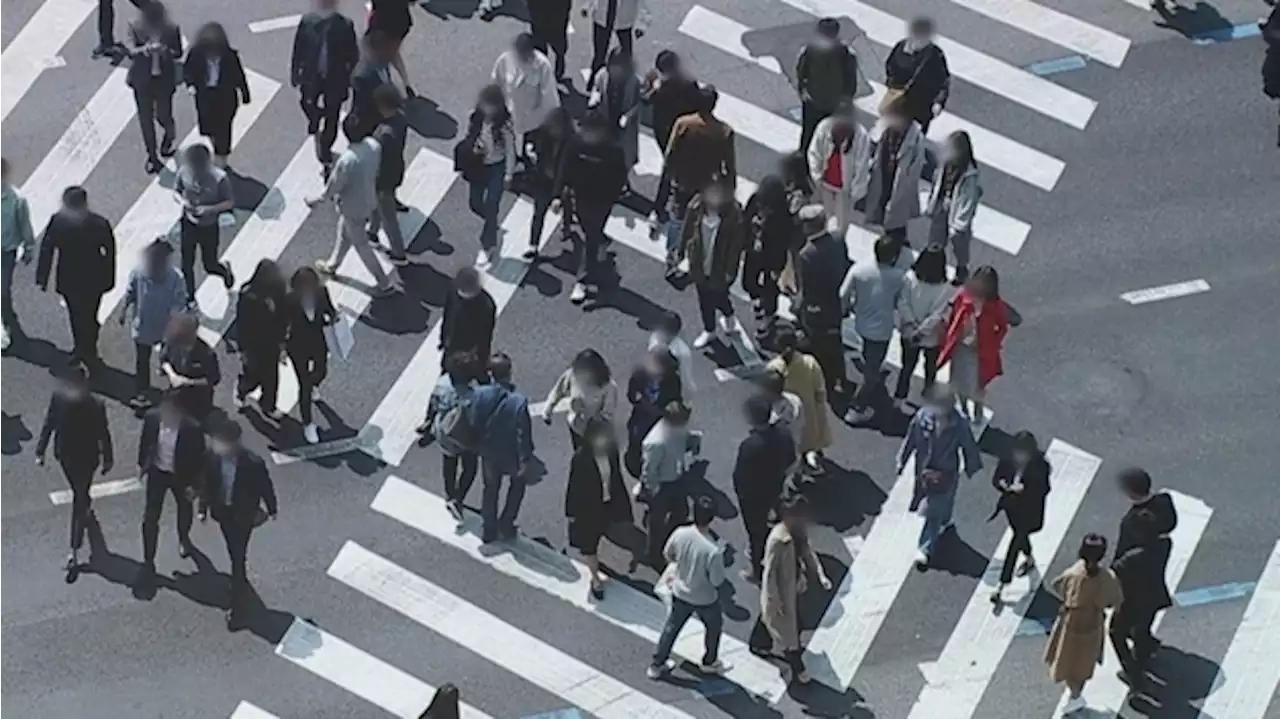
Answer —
500 416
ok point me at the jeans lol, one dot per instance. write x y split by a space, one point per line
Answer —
680 199
873 354
155 106
80 476
8 263
352 234
142 368
668 509
158 483
495 524
712 620
259 367
910 357
600 41
311 370
592 216
322 107
1019 546
82 313
486 199
387 218
711 299
204 239
459 474
937 517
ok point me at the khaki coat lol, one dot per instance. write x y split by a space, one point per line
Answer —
1080 631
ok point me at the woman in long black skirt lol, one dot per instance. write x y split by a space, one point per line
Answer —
213 72
595 497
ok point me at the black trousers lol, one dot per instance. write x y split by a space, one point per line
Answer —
711 299
755 519
142 368
761 641
600 45
459 474
827 346
107 21
668 509
79 475
810 116
202 239
549 25
259 368
322 107
236 531
1020 546
159 483
911 353
311 368
592 216
1133 624
542 199
155 106
82 313
761 284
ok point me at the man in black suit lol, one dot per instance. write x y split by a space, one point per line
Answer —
155 47
325 51
373 71
82 246
171 454
759 475
77 424
1142 582
236 488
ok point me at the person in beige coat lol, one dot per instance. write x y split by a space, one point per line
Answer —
1087 590
789 562
803 377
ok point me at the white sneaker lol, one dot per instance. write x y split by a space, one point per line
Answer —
720 666
730 326
5 340
702 340
579 294
482 260
658 671
315 395
312 433
1073 705
922 560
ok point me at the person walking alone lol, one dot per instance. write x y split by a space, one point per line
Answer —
1141 571
764 460
953 201
1023 484
592 394
171 455
308 312
916 74
79 249
500 414
789 563
262 325
325 53
593 176
713 239
205 192
155 48
214 73
352 186
76 423
1087 590
873 291
826 78
18 245
156 293
695 573
922 314
486 157
529 85
469 318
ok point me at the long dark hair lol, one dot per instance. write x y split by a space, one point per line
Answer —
794 168
591 362
212 36
770 198
267 281
964 149
500 123
444 705
987 275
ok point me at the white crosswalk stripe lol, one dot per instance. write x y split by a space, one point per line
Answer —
1059 28
1249 673
34 48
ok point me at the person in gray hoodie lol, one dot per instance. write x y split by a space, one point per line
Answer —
826 75
155 293
17 244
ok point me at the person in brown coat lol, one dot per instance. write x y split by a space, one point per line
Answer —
1087 590
713 238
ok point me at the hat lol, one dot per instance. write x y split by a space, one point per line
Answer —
813 219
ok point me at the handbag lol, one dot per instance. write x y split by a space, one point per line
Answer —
467 160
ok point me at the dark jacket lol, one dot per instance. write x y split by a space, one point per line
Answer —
760 472
584 494
828 73
673 99
85 255
1025 509
1161 505
391 134
923 75
500 416
701 149
198 361
647 400
188 452
1271 60
367 77
820 268
730 243
140 61
548 153
468 324
232 82
343 52
262 323
594 172
1141 573
305 337
78 429
252 489
770 236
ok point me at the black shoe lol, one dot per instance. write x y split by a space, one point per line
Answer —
104 50
232 618
146 573
153 166
166 147
139 401
401 207
410 93
228 277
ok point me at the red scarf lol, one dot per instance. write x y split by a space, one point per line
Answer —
992 325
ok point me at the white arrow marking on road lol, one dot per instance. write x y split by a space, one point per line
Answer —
36 47
1165 292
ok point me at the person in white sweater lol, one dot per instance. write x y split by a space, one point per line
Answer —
922 313
528 81
839 159
591 391
353 187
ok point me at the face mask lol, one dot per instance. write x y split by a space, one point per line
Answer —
1021 458
583 379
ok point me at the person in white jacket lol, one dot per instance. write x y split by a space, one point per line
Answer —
923 307
627 19
528 81
954 201
840 165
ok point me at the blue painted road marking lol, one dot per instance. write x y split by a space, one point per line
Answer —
574 713
1227 34
1053 67
1040 626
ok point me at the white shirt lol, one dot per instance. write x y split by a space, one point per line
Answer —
166 446
156 36
710 231
213 71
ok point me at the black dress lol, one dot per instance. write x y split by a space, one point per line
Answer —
589 515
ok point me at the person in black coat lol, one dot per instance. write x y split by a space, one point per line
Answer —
260 330
155 47
759 477
190 365
214 73
76 422
916 69
1135 484
1141 571
79 249
545 149
653 385
549 25
470 316
392 133
772 230
821 266
671 94
236 488
308 311
373 71
171 452
595 497
1023 483
594 176
325 52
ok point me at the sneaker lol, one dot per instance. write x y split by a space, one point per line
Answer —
1073 705
997 596
139 401
482 260
400 260
73 561
702 340
813 460
5 339
153 166
237 400
922 561
658 671
315 395
166 147
719 666
803 677
597 592
859 416
326 269
579 294
103 50
730 326
274 414
311 433
749 576
1026 568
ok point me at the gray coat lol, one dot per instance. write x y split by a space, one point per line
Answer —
904 196
629 138
964 202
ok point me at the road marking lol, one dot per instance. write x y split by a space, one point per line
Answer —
881 563
993 149
1249 673
397 416
355 670
36 45
1105 693
560 576
956 682
73 157
1212 595
309 452
276 23
1227 34
157 210
1165 292
1058 28
987 72
97 490
484 634
1062 64
245 710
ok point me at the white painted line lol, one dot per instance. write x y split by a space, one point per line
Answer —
246 710
97 490
36 45
1105 693
989 73
1165 292
956 682
484 634
1249 673
1061 29
560 576
991 148
321 449
55 62
399 413
359 672
87 140
157 210
276 23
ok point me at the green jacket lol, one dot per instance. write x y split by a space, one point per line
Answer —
15 223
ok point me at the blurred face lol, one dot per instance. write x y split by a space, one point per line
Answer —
75 389
1021 457
489 105
326 7
716 199
601 444
524 48
75 213
980 287
197 159
221 447
157 263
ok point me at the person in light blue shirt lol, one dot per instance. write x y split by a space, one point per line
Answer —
871 292
19 243
155 293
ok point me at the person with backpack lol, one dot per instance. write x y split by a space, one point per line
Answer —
940 440
447 423
504 441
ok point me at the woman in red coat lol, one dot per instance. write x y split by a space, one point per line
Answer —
974 339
